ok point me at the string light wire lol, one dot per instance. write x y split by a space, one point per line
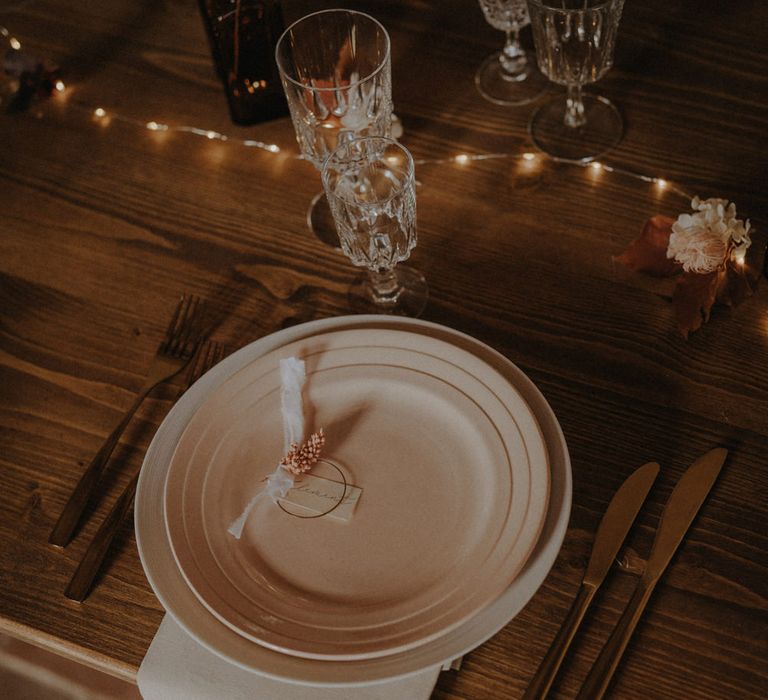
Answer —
101 114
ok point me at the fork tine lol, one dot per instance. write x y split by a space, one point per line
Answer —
181 337
180 321
194 329
170 331
208 354
220 353
187 331
198 367
214 354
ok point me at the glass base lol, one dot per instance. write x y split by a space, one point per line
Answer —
410 301
496 86
602 131
320 221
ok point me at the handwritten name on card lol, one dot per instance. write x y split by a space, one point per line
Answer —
318 495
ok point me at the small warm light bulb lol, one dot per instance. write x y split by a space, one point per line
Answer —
739 256
153 126
99 112
60 85
529 164
463 158
661 182
596 166
273 148
211 134
15 43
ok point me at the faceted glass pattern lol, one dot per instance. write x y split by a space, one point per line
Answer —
336 71
371 189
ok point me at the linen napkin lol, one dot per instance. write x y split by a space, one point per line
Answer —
177 667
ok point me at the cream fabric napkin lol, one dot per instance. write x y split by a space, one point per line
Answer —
176 667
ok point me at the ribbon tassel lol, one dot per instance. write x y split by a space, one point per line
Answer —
297 459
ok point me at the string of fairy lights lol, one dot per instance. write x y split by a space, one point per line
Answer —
527 159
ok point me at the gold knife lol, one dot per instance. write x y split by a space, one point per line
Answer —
611 533
682 506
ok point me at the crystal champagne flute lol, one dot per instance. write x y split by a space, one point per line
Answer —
509 77
575 41
336 72
370 185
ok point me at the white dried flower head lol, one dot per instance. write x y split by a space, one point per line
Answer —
702 241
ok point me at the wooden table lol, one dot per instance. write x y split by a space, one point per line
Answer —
105 223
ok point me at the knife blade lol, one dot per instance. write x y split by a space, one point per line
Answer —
611 533
687 498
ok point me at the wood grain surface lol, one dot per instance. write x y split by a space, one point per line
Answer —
103 224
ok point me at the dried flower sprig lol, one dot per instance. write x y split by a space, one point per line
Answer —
302 459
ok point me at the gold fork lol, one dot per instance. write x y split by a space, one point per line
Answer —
178 346
208 355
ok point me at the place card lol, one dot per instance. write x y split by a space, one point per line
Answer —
319 495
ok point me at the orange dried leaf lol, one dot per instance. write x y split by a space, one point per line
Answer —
694 295
648 252
740 285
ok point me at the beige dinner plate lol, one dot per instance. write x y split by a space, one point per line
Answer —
184 606
454 479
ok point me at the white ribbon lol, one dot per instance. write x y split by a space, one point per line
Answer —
279 482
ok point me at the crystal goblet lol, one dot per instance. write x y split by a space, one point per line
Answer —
336 71
371 189
575 41
508 77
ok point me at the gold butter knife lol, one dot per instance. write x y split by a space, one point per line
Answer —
682 506
611 533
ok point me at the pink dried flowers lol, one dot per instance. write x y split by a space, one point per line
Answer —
302 459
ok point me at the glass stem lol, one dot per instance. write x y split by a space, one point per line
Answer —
574 107
513 58
384 286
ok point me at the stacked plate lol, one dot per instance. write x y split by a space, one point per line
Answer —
465 496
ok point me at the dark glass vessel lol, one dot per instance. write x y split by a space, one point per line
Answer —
243 35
